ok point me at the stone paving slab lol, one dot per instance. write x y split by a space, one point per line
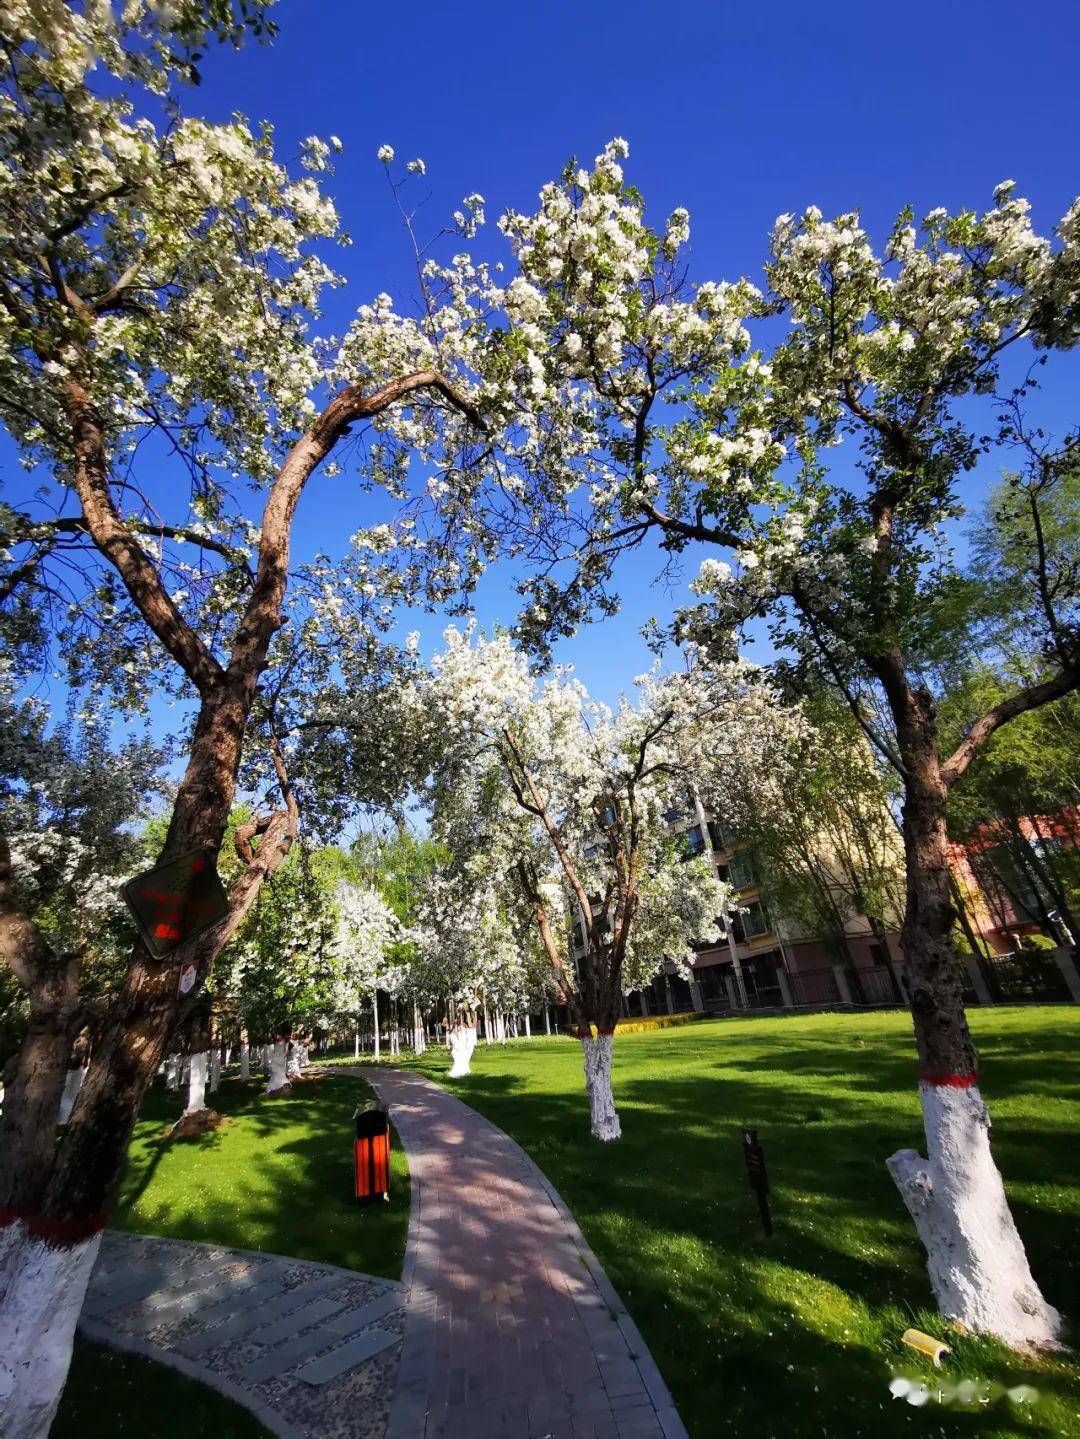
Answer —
329 1366
248 1326
512 1327
314 1313
262 1315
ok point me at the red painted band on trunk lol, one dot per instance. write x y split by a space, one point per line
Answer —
55 1231
600 1030
950 1081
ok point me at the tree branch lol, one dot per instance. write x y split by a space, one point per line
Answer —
540 810
262 616
1021 702
120 548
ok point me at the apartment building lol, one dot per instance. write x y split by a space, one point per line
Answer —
763 963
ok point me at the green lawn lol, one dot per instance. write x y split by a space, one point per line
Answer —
799 1335
277 1177
109 1394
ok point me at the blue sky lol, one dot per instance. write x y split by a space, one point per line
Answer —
737 111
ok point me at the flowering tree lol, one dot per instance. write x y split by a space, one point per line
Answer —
158 279
367 932
566 799
689 434
467 948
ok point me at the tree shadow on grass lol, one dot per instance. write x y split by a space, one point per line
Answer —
674 1222
670 1214
279 1178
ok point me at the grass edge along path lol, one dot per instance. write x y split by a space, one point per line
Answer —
109 1393
800 1335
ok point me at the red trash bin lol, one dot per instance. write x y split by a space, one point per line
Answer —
372 1154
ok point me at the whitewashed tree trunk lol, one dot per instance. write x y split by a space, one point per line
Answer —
487 1024
462 1044
547 1020
42 1288
173 1065
279 1078
604 1121
215 1070
975 1257
356 1043
292 1060
375 1012
197 1083
528 1025
267 1052
72 1084
245 1060
419 1038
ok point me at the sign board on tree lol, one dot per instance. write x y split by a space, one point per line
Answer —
176 901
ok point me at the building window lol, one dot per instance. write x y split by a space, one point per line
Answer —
755 920
741 872
720 836
692 842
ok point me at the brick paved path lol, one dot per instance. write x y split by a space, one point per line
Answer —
310 1349
513 1330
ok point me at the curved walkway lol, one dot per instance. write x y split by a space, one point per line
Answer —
310 1349
513 1330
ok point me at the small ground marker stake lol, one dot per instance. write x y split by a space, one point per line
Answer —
759 1180
926 1344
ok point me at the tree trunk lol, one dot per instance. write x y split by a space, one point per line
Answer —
196 1100
547 1020
356 1043
278 1081
173 1065
976 1260
462 1044
245 1061
215 1070
292 1060
375 1012
43 1281
528 1025
603 1119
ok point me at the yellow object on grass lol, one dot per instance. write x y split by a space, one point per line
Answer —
925 1344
